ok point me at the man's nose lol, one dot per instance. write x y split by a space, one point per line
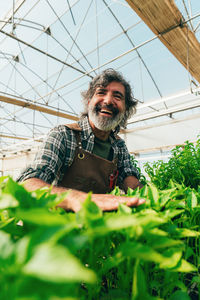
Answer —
108 99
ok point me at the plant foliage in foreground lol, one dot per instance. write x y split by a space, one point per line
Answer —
149 252
182 167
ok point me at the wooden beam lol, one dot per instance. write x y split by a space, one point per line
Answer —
165 20
18 138
37 108
12 137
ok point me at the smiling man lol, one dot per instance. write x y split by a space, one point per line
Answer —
89 155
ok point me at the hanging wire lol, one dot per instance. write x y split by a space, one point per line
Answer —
188 15
17 120
9 80
14 108
71 12
2 41
52 88
123 54
43 52
33 123
47 61
65 28
70 50
130 40
13 12
190 10
141 80
90 52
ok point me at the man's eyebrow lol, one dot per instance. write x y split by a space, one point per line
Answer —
101 89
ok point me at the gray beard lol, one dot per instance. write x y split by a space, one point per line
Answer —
102 122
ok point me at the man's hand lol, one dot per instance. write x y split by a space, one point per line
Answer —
111 202
106 202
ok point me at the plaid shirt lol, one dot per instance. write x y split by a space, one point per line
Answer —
58 149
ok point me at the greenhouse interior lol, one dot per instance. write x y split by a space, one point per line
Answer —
49 53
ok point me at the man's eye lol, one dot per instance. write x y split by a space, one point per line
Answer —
118 97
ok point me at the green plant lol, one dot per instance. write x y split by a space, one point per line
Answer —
148 252
183 167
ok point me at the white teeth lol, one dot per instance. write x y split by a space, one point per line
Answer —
106 111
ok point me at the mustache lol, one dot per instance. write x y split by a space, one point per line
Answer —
98 107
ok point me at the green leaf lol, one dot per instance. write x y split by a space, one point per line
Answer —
166 196
24 197
41 216
153 195
196 279
144 191
21 249
179 295
146 219
90 214
116 191
184 266
171 258
139 288
6 245
171 213
3 179
144 253
184 232
124 210
6 222
54 263
8 201
162 242
189 252
192 200
44 198
133 193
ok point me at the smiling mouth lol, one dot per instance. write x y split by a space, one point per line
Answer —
106 112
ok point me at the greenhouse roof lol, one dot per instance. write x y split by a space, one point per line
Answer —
51 49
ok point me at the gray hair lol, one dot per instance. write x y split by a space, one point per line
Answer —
103 79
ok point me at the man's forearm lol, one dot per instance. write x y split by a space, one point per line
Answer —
75 196
33 184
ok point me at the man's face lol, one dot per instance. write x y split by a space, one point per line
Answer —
107 106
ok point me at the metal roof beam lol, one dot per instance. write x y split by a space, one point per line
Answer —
164 112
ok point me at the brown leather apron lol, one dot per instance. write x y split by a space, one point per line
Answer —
89 172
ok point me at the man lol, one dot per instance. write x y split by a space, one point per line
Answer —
88 155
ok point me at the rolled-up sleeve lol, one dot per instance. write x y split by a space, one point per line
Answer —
50 157
125 166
